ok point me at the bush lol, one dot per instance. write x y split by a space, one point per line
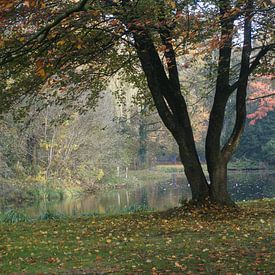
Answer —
14 216
49 215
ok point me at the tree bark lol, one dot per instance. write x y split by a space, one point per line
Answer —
31 150
218 187
216 163
195 176
172 109
142 151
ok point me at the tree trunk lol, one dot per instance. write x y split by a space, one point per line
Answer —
195 176
172 109
142 151
31 150
218 187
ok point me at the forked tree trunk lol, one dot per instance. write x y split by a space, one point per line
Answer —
164 84
217 157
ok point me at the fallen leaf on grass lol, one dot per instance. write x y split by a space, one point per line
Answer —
182 267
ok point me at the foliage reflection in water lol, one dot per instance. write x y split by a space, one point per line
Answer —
160 196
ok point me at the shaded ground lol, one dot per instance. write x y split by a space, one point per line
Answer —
182 240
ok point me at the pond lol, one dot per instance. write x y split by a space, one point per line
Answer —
160 196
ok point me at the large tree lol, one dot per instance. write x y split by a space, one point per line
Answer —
71 46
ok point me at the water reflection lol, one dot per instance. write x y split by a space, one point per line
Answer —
164 195
251 185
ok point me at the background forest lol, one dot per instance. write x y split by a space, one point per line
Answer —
91 150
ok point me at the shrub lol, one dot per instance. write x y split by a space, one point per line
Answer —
50 215
14 216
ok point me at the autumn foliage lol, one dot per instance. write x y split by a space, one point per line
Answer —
262 94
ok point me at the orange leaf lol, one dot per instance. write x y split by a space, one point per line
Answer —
40 71
34 3
30 3
98 258
5 4
162 48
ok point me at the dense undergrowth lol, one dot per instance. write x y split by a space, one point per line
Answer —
186 240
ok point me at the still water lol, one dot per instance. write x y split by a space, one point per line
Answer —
160 196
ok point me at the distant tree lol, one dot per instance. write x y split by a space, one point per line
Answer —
12 153
263 95
71 46
80 148
258 141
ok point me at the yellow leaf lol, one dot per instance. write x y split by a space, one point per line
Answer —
60 43
171 3
41 73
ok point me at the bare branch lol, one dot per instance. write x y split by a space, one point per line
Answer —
259 97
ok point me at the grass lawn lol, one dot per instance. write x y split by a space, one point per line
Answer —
182 240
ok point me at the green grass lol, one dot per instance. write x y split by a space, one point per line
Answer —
170 168
184 240
174 168
240 164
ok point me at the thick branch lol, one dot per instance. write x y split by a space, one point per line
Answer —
255 63
173 95
170 57
169 103
152 67
42 33
222 85
169 106
234 139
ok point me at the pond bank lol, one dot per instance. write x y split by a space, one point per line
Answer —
185 240
19 191
154 190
